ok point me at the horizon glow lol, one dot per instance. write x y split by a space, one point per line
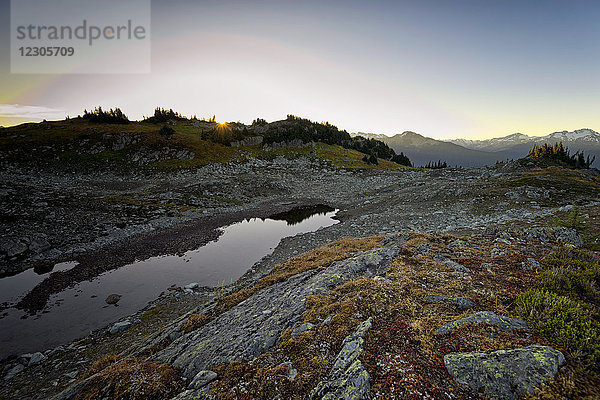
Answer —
467 69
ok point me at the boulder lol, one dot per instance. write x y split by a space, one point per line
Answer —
458 268
193 285
113 299
422 249
559 234
395 239
292 372
13 371
499 252
383 280
24 359
505 374
120 327
39 244
567 236
484 317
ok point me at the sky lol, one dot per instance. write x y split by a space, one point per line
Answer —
444 69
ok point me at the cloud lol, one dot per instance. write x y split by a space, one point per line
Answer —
30 112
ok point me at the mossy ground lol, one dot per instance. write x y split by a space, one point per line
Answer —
402 354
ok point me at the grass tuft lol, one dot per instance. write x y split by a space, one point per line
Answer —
193 322
115 377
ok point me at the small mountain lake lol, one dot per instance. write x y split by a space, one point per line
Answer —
81 308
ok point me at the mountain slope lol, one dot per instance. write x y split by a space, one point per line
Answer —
422 150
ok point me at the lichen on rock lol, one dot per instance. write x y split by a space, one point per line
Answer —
348 378
505 373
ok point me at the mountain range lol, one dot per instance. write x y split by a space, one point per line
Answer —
475 153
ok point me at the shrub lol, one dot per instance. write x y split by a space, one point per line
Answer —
162 115
111 116
563 321
559 153
563 306
166 131
259 121
371 160
309 131
439 165
572 272
573 220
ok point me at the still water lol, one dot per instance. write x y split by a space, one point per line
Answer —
81 308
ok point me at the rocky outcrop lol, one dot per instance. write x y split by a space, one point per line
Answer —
348 378
484 317
35 243
249 141
505 374
559 234
254 326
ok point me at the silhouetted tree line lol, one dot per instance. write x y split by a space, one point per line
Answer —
111 116
558 152
309 131
437 165
259 121
162 115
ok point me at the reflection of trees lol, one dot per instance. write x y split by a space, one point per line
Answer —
299 214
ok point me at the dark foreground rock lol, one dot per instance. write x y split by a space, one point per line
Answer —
505 374
253 326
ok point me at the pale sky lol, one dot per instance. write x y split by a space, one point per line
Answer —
444 69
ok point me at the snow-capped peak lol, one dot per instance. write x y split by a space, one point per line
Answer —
587 135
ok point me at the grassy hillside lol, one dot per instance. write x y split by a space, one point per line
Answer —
80 142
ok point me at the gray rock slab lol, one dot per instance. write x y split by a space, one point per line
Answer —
505 374
254 326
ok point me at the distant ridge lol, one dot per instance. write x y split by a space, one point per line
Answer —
423 150
476 153
518 145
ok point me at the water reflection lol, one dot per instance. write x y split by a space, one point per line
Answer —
79 309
